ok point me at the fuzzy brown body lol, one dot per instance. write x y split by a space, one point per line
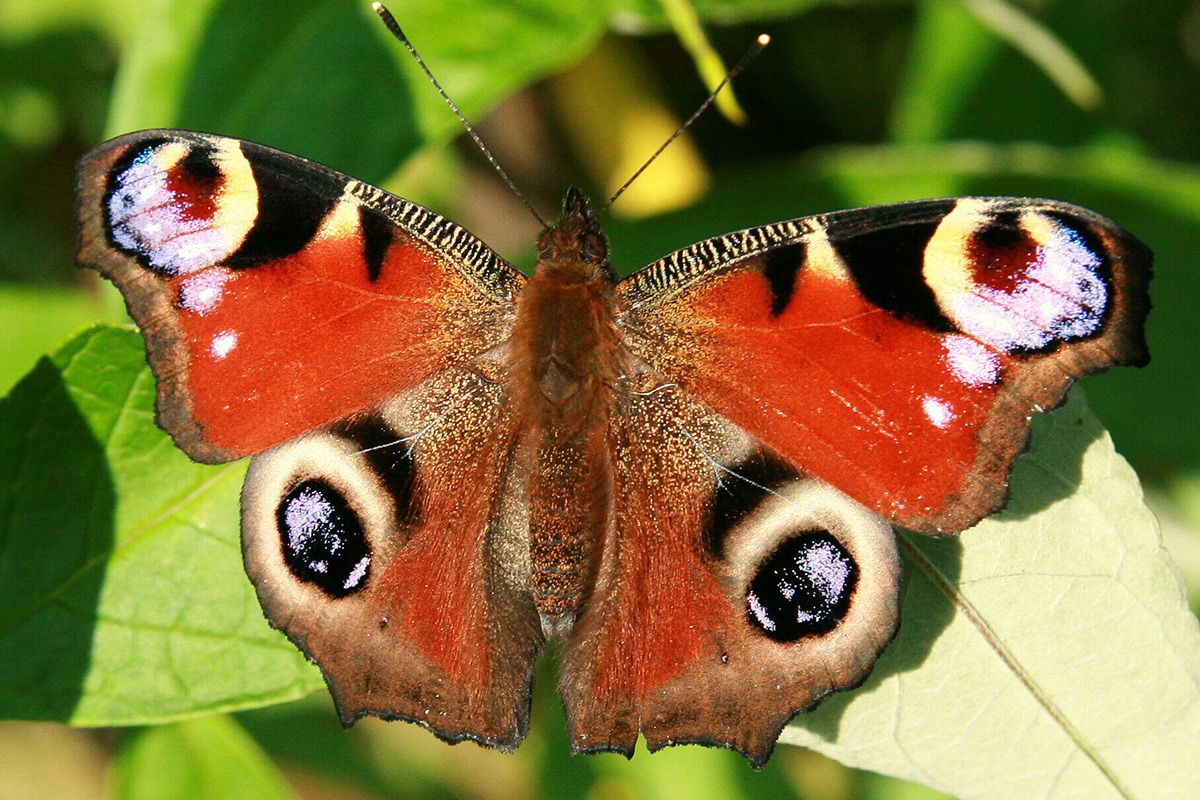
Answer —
564 366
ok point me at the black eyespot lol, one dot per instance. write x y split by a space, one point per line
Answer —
323 540
803 589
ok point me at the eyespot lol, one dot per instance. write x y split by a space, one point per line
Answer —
803 588
813 570
322 539
181 206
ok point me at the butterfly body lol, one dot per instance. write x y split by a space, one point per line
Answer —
688 475
565 364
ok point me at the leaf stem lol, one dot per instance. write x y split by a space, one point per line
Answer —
1041 47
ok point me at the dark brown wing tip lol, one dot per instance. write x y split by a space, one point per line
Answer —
755 745
1132 273
757 757
758 754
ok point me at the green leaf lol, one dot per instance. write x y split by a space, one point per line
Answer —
649 14
20 20
525 41
956 44
678 773
122 596
686 24
1040 45
210 758
324 79
950 51
1047 652
155 61
301 74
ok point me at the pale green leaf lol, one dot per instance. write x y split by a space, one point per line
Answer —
210 758
1047 652
122 596
686 23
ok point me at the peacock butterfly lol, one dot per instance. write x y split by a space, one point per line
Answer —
688 476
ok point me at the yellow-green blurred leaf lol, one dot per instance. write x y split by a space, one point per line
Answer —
210 758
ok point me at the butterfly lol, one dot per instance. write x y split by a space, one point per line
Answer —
688 476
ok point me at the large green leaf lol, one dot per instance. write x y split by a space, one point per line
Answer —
210 758
122 597
1047 652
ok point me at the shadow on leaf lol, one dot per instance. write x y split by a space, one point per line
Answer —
56 507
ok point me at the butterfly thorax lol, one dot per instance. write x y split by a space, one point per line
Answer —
564 360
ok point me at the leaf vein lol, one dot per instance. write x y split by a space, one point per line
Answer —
964 606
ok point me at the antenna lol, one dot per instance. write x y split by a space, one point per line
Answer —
759 45
394 27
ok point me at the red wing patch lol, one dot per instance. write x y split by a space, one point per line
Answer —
682 638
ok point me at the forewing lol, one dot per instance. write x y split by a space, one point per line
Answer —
392 548
897 352
277 295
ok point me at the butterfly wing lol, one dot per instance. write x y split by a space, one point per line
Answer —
353 336
893 353
277 295
684 638
393 550
897 352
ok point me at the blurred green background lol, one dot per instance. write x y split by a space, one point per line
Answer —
1091 101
